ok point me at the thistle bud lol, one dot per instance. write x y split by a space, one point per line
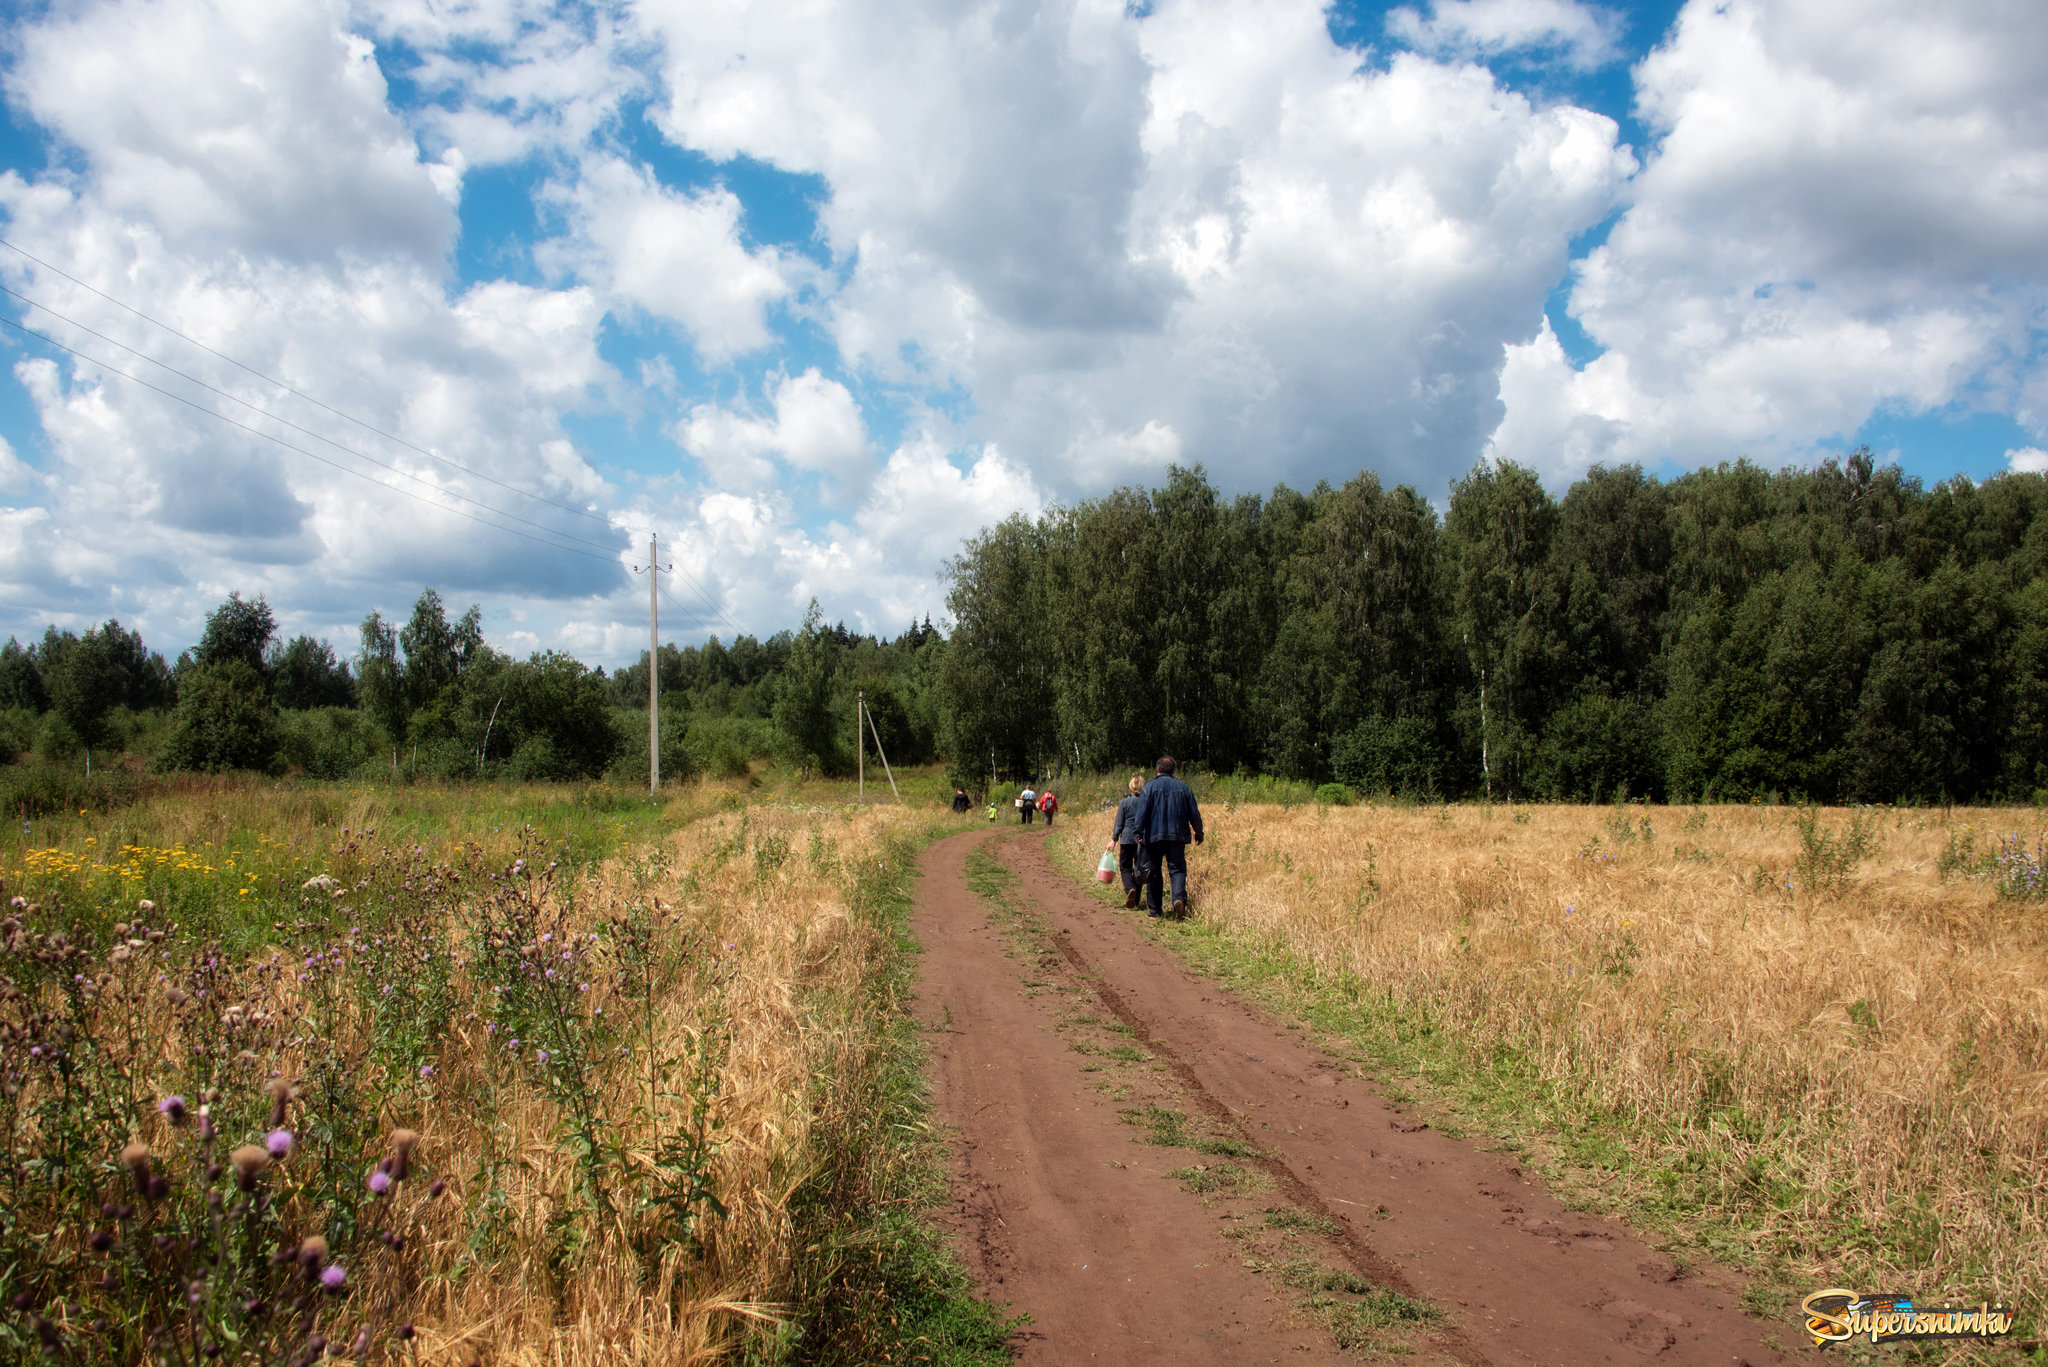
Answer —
135 1158
248 1161
402 1142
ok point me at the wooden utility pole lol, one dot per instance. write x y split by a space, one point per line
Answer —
860 749
880 753
653 668
654 569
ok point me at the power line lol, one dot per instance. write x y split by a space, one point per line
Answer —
716 607
311 455
287 422
273 380
708 600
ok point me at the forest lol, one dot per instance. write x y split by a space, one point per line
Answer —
1838 633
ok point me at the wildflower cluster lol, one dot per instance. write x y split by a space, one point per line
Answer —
2019 873
158 1200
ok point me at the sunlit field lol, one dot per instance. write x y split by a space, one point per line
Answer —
1810 1040
519 1074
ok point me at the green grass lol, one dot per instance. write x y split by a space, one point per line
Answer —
1203 1179
884 1284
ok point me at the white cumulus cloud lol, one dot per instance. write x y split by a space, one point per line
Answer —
1841 215
1208 222
816 426
1587 36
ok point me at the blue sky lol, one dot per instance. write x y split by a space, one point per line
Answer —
816 290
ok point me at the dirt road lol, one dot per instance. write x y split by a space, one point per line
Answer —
1157 1173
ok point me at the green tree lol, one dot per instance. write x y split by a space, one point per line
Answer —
381 676
305 673
88 683
804 714
1497 537
237 630
224 720
436 649
998 677
21 680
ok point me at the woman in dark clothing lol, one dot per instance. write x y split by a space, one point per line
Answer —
1123 838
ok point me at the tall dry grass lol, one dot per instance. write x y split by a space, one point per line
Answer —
741 968
1834 1062
779 980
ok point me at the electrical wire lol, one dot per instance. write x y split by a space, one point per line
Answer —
709 601
716 607
310 455
306 431
273 380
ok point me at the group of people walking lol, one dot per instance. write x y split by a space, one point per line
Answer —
1149 835
1030 804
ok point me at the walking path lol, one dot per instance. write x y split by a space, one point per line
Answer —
1157 1173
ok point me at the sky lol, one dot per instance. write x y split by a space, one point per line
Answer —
330 301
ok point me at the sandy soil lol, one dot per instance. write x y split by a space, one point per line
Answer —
1156 1172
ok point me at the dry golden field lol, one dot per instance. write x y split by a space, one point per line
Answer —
763 956
1807 1039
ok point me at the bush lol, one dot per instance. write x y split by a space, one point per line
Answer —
33 790
725 747
1333 795
1392 755
678 760
17 733
1596 747
56 742
225 720
331 742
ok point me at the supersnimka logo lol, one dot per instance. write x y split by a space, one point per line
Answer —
1836 1316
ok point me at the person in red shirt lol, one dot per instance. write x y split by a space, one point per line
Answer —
1048 804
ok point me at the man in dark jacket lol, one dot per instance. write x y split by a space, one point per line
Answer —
1165 817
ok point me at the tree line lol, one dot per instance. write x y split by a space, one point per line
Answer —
425 695
1840 633
428 695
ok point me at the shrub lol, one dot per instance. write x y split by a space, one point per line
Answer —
331 742
225 720
1333 795
1395 755
33 790
17 733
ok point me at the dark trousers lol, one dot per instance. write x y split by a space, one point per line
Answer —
1168 857
1048 816
1130 863
1025 815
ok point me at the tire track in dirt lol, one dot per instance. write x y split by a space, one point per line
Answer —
1056 1210
1068 1220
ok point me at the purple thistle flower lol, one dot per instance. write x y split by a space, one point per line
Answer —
172 1109
426 1070
380 1182
334 1276
279 1142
